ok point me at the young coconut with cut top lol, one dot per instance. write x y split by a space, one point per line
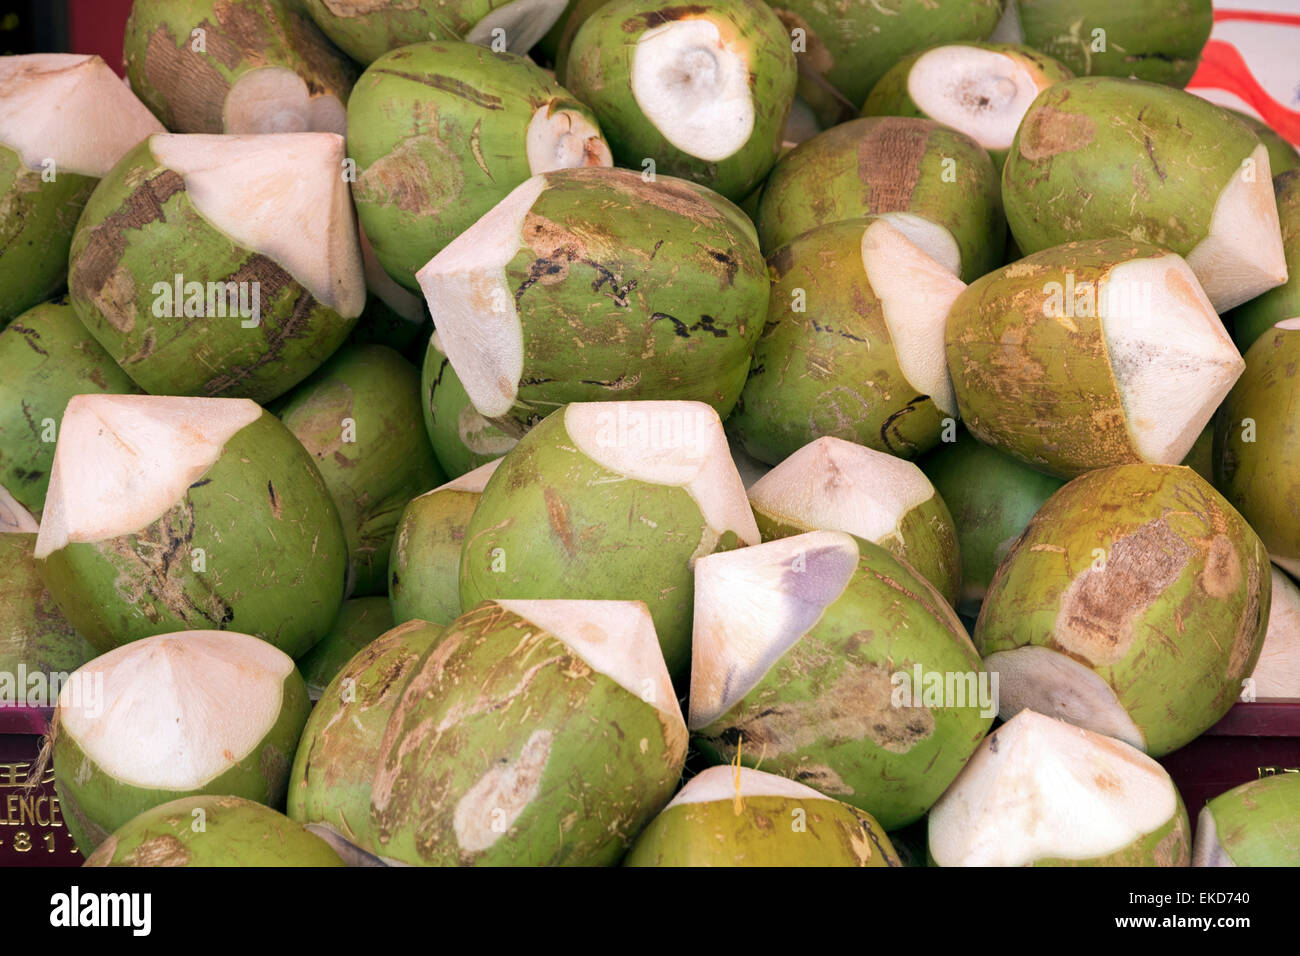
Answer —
1255 824
1252 319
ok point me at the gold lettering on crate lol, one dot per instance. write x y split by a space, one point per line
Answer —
1274 771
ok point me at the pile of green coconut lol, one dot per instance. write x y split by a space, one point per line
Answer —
486 432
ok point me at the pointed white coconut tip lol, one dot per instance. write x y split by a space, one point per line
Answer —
173 711
982 93
616 638
520 24
1206 849
722 784
754 604
1039 788
405 303
916 292
679 444
1242 256
1008 29
473 305
1171 357
122 460
1277 674
836 485
71 109
14 518
691 80
472 481
934 240
564 139
280 195
271 99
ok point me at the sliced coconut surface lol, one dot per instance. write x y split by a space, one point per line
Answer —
281 195
1242 256
474 481
693 86
754 604
916 293
1008 29
1172 358
122 460
1207 850
982 93
175 710
275 99
722 784
1277 674
934 240
564 139
402 301
1039 788
14 518
679 444
522 23
71 109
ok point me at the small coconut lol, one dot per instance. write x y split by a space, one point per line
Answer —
359 622
1252 319
1256 824
462 439
1277 673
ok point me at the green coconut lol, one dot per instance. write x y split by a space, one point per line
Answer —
424 572
441 132
991 497
827 660
171 716
1099 157
1201 458
221 266
462 439
360 621
835 485
1039 792
980 89
1256 824
702 91
359 416
168 514
35 636
610 500
48 356
1282 153
593 284
236 66
1089 354
1252 319
735 816
213 830
340 747
533 733
65 121
939 184
575 15
1134 605
1277 672
853 345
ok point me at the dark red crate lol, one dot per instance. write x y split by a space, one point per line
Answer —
31 824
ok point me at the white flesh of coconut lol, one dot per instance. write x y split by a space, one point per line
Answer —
1278 672
175 710
1172 359
378 282
754 604
1207 850
1242 256
916 293
982 93
801 124
282 196
693 86
326 114
1039 788
934 240
679 444
271 99
836 485
122 460
563 139
14 518
720 784
474 481
1040 679
522 23
71 109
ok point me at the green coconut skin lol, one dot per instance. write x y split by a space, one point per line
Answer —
128 240
823 712
1252 319
1173 622
575 15
1258 823
1159 40
609 760
34 633
424 573
886 164
462 439
1098 156
236 832
1034 387
274 554
381 325
599 70
1201 458
438 132
186 89
359 417
1282 156
37 220
830 369
48 357
95 804
712 834
360 621
340 746
991 497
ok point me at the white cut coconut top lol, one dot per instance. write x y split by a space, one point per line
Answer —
1207 850
982 93
122 460
1277 674
563 139
934 240
174 711
754 604
474 481
521 22
1037 787
679 444
719 784
71 109
836 485
617 638
282 195
14 518
402 301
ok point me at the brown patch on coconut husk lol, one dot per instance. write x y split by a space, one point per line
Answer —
1047 132
163 850
657 18
889 161
1222 574
361 8
815 54
1248 640
403 178
449 84
195 89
